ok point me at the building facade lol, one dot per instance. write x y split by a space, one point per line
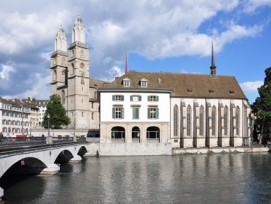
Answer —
15 117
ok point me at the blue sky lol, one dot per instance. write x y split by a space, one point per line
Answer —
168 36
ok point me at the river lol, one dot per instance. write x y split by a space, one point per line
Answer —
215 178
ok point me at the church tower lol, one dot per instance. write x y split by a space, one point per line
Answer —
59 59
78 78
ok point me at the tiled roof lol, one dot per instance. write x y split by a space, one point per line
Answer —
93 83
184 85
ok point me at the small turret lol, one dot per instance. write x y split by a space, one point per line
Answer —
61 40
78 32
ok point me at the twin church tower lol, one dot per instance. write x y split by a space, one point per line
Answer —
70 75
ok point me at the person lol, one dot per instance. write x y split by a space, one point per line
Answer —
1 134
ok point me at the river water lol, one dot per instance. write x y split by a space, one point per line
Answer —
215 178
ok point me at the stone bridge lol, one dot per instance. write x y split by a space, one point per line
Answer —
44 159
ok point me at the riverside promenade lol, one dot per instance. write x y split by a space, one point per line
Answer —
217 150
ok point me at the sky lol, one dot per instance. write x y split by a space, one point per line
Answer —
158 35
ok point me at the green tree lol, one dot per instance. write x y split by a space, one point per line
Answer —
56 112
262 108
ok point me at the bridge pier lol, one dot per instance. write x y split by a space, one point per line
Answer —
50 170
76 159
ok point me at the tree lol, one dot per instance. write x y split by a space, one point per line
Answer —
262 108
57 113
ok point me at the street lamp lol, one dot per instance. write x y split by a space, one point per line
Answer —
30 118
22 120
49 140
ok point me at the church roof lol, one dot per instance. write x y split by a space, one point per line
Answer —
94 83
183 85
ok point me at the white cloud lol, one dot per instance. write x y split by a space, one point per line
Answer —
115 71
6 70
251 86
252 5
152 28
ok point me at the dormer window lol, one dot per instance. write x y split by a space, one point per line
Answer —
232 92
126 82
144 83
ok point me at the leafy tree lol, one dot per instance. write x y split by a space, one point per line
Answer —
262 108
56 112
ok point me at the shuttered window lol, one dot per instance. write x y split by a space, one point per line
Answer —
153 113
118 98
117 112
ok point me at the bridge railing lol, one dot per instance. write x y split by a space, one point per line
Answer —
31 141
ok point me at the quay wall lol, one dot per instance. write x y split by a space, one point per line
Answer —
215 150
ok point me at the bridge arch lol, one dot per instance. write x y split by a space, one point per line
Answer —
44 160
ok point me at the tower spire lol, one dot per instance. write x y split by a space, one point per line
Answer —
126 64
213 67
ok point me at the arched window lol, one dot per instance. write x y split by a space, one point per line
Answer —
73 69
175 119
237 120
153 133
63 96
213 120
201 118
54 75
226 120
135 132
188 120
118 132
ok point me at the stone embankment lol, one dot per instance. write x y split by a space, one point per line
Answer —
216 150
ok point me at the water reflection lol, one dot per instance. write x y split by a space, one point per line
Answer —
216 178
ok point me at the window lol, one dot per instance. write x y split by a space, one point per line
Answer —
135 98
213 120
153 113
117 112
144 83
225 120
189 120
237 119
54 75
201 118
126 82
153 98
118 98
135 112
175 119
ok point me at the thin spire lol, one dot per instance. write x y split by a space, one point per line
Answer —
213 67
126 64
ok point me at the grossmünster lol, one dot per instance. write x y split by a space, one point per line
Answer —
143 112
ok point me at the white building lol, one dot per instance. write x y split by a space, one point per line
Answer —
173 109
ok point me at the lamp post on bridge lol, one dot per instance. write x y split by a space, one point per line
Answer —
49 139
22 120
